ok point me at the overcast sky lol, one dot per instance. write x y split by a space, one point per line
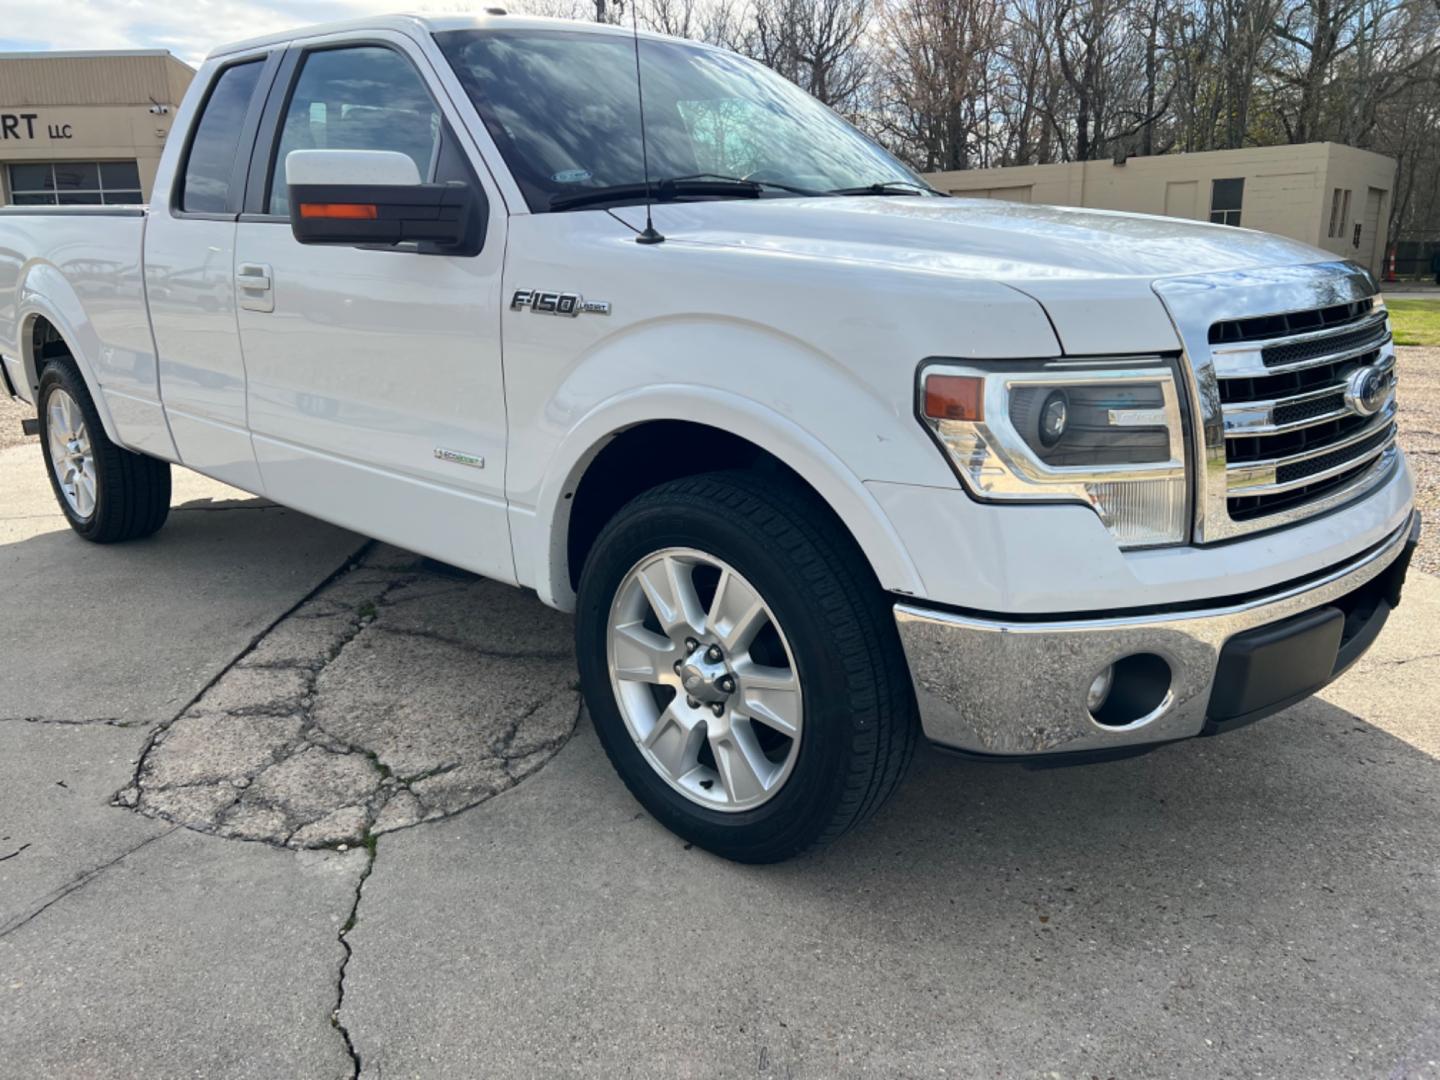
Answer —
188 28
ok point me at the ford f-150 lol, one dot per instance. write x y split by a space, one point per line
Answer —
822 460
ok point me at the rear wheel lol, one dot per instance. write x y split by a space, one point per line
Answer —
107 493
742 666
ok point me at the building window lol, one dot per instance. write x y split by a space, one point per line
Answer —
75 183
1339 213
1225 199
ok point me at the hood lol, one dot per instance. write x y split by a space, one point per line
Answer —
997 240
1093 270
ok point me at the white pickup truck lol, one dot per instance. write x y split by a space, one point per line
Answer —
822 460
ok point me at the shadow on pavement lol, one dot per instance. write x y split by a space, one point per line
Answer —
138 628
1259 903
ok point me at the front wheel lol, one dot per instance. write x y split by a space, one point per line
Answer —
742 666
107 493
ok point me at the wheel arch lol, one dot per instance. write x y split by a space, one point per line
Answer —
52 324
621 439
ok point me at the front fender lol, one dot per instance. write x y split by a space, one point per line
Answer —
548 526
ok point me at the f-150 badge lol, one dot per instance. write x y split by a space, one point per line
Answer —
557 303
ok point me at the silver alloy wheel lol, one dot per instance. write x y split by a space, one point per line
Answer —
71 455
721 727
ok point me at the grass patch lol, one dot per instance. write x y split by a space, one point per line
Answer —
1415 322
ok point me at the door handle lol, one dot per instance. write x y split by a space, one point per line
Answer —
256 292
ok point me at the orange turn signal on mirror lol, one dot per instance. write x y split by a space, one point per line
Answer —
954 397
351 211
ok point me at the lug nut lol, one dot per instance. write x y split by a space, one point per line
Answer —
678 665
718 709
727 684
691 644
692 703
713 654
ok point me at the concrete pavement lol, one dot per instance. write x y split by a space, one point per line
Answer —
1262 904
262 814
246 674
128 947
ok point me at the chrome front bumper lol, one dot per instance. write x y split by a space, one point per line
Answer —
1018 687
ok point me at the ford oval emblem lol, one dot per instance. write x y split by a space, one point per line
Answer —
1365 390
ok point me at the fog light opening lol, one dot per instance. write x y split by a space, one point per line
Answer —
1138 686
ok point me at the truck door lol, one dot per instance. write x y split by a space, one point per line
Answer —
189 273
374 383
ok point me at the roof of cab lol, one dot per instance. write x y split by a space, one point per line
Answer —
427 24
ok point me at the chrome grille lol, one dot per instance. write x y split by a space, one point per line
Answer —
1305 352
1271 354
1258 328
1290 434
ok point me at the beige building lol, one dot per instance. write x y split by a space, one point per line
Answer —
85 128
1324 194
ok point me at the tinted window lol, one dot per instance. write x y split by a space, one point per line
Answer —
217 138
365 98
75 183
30 178
115 175
562 107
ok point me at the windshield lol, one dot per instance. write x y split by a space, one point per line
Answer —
561 105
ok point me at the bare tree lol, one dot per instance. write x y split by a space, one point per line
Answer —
816 44
934 69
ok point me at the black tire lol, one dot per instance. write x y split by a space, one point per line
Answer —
860 723
132 491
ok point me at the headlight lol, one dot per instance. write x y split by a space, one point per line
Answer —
1108 436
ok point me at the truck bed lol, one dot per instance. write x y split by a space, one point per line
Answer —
87 261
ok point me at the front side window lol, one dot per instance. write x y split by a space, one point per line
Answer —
1225 199
211 163
75 183
362 98
562 107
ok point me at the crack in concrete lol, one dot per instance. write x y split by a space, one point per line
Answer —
99 721
160 729
76 883
1408 659
1412 659
372 851
393 694
345 719
12 854
498 654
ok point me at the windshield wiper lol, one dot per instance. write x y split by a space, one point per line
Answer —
889 187
675 187
659 190
763 183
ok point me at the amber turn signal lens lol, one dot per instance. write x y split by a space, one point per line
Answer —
954 397
351 211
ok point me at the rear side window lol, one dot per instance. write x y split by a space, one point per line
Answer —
211 164
362 98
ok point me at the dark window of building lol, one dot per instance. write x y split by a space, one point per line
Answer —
363 98
1225 199
211 164
75 183
119 175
